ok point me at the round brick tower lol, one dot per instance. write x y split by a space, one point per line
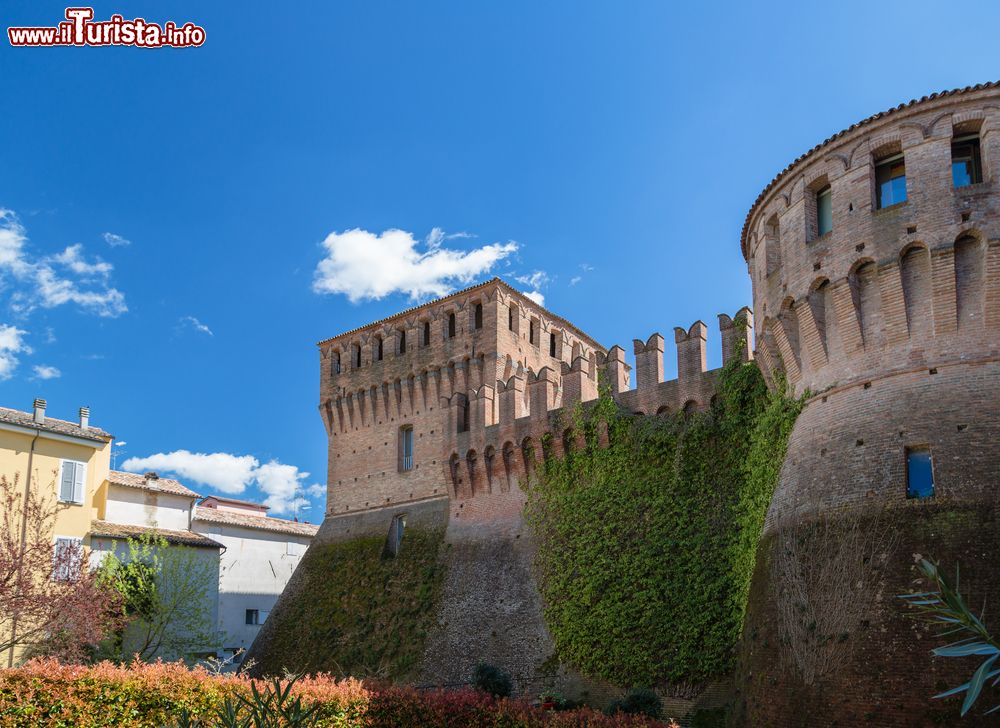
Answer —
875 260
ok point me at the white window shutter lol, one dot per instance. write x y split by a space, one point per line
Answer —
79 482
66 480
67 558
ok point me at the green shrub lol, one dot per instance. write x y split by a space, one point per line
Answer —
638 701
493 680
646 547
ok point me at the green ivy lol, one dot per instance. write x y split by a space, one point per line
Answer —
646 546
356 612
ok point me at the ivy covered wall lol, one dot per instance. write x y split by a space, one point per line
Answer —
646 547
355 611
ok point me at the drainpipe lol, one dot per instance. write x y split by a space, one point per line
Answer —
24 538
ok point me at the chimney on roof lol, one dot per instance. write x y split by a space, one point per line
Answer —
151 476
39 411
84 418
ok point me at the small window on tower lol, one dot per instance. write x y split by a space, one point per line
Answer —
357 356
478 316
824 211
451 326
890 181
378 349
919 473
531 332
552 344
335 364
427 333
405 448
966 166
402 341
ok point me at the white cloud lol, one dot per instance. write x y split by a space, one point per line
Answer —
368 266
116 241
534 280
575 279
42 282
283 485
586 267
535 296
72 259
228 473
196 325
11 344
43 371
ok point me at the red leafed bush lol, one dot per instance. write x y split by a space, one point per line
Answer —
45 692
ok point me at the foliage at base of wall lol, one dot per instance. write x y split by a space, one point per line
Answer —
646 547
355 611
153 695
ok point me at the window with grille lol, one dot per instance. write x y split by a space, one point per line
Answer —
405 448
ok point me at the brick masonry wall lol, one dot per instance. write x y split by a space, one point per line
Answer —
468 473
892 322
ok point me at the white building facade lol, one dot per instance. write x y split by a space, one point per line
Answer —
136 506
259 555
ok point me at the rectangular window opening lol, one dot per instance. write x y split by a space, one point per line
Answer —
405 448
67 558
427 333
394 540
919 473
890 181
72 481
552 345
824 211
966 163
253 616
478 316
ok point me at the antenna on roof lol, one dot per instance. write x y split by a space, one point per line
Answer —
116 453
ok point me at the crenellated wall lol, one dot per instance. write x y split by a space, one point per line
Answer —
536 407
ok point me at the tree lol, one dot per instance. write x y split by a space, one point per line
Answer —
166 592
50 603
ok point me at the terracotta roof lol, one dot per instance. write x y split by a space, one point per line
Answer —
107 529
51 424
237 501
437 301
157 485
864 122
261 523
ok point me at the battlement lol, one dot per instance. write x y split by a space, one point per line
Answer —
534 406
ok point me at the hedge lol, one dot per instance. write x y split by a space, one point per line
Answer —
47 693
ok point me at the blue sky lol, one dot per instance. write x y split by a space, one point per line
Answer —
173 242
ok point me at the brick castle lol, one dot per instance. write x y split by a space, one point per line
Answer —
875 263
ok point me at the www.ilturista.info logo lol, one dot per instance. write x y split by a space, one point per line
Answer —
80 29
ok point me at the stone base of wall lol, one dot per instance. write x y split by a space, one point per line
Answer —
889 675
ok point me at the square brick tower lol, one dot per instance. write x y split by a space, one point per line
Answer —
397 395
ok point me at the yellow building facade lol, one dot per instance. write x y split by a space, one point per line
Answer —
61 461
